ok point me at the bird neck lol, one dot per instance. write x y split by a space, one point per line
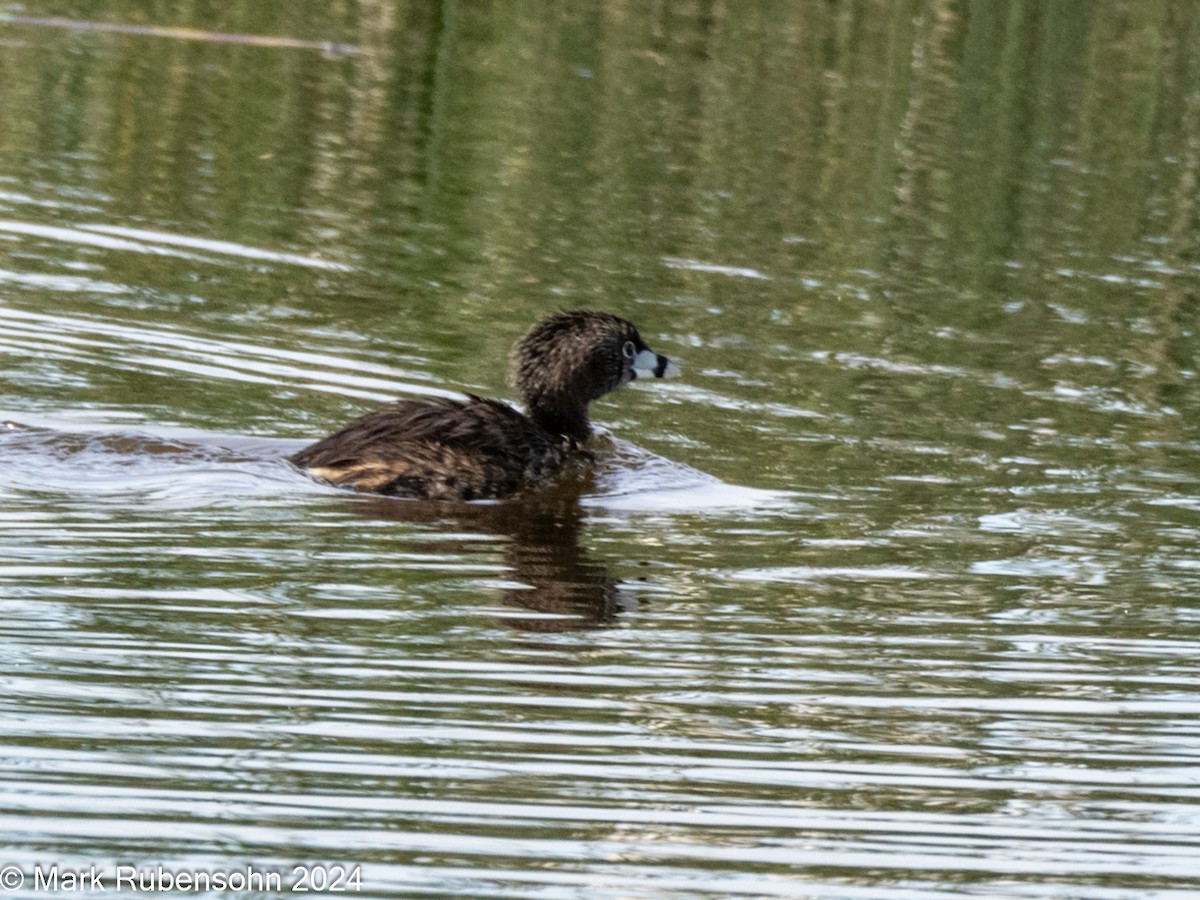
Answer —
561 416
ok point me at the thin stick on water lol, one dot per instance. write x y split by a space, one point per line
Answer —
182 34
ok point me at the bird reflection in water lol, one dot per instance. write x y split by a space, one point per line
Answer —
557 581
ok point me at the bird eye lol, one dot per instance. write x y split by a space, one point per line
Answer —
629 350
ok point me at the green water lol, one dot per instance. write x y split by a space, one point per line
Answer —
893 593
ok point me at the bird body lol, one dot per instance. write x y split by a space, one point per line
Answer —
480 449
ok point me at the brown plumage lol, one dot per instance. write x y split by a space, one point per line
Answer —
477 449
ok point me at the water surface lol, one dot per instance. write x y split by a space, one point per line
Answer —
891 594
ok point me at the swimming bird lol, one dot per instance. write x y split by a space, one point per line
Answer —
480 449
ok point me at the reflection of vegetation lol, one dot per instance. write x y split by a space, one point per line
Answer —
681 124
525 156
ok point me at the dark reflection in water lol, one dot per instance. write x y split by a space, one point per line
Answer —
542 532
